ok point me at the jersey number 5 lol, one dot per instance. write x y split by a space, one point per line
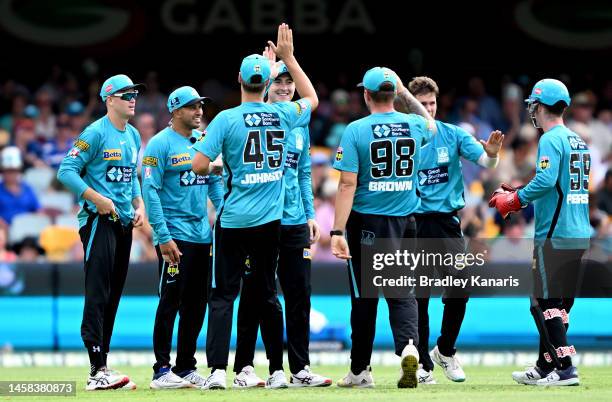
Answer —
253 151
382 154
579 168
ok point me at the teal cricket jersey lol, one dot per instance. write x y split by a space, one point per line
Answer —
104 158
252 138
384 149
560 189
439 176
298 182
174 196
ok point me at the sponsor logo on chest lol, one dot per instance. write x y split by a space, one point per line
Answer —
180 159
437 175
111 154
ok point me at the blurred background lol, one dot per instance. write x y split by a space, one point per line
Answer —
56 54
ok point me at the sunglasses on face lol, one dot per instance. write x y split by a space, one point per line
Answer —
128 96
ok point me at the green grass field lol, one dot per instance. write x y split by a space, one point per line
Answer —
483 384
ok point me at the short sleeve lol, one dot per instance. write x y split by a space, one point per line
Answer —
347 158
297 113
211 145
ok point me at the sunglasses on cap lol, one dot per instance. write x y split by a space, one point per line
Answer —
127 96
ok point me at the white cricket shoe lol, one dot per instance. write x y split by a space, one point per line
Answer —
425 377
530 376
216 380
168 380
306 378
557 377
277 380
193 377
450 365
106 379
361 380
248 379
408 367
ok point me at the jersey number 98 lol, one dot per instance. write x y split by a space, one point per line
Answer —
382 154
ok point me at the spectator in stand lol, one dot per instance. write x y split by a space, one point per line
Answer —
513 110
78 116
54 150
45 122
24 138
6 255
8 121
320 164
324 215
468 114
488 107
16 197
341 114
582 111
153 101
145 124
28 250
604 196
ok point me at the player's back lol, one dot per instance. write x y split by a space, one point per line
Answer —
384 150
563 212
252 139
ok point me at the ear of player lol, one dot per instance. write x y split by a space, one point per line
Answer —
505 199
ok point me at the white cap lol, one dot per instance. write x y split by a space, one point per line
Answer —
11 158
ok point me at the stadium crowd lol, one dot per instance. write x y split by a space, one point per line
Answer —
38 126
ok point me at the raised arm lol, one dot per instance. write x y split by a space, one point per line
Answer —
412 104
284 51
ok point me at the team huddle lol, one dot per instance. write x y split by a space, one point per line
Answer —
253 163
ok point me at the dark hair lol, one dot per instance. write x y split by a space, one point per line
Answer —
423 86
385 93
255 86
556 110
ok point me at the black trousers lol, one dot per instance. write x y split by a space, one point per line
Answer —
556 273
293 271
231 249
441 232
107 245
403 316
182 290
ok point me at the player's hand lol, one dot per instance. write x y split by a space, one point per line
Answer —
505 199
170 252
216 167
315 232
284 42
105 206
269 54
340 248
138 216
493 143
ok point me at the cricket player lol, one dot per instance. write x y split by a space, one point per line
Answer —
176 201
560 193
101 170
253 141
381 148
298 231
438 224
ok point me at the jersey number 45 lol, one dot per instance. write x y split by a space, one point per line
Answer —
253 151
